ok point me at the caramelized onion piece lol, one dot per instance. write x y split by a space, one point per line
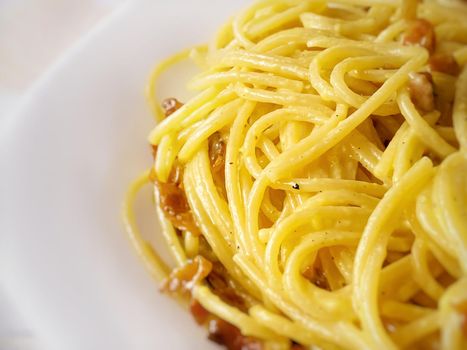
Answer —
443 63
421 91
230 336
170 105
420 32
184 278
217 152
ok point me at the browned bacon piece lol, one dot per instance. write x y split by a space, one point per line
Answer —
170 105
217 152
200 314
420 32
296 346
221 331
220 284
230 336
421 91
444 63
172 196
316 276
174 203
184 278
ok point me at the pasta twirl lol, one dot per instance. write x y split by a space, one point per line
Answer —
314 191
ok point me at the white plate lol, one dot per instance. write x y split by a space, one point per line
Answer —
66 161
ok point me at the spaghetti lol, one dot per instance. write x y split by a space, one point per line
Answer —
314 192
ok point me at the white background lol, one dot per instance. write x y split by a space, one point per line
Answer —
33 35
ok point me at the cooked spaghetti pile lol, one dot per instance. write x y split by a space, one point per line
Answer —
314 191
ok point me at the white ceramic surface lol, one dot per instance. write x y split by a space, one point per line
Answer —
65 162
